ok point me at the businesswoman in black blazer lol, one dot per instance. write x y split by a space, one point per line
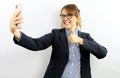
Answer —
71 48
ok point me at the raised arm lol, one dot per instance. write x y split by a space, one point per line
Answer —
15 22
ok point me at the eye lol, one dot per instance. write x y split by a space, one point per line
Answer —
69 15
62 15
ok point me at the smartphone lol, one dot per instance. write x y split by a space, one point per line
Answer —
18 8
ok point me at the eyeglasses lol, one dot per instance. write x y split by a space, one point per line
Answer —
69 16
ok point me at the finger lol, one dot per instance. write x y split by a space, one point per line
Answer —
19 26
17 12
70 39
17 19
20 14
72 31
18 22
15 22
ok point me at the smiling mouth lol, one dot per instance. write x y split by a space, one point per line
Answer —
66 22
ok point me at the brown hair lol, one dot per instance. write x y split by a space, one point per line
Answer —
72 8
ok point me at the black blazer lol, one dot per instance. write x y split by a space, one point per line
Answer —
60 53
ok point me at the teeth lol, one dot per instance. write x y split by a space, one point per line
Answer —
67 22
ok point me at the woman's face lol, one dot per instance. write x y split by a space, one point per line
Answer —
68 20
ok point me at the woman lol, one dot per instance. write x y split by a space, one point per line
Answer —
71 48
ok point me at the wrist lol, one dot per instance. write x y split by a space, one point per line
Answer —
17 35
81 41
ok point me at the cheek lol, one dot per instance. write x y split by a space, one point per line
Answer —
62 22
73 21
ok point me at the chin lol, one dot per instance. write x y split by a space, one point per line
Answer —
66 27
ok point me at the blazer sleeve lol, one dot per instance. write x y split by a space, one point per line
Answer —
35 44
93 47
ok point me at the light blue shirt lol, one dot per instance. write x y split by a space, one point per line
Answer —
72 69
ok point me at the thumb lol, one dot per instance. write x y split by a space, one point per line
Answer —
72 31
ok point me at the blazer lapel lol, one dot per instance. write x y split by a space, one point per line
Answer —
82 54
64 41
79 33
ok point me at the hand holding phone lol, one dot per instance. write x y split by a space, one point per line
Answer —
16 21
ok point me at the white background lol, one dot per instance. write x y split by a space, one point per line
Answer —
100 18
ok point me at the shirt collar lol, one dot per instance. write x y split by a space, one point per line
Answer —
68 31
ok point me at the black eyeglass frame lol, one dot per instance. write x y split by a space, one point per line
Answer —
69 16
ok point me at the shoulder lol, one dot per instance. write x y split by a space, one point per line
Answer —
85 35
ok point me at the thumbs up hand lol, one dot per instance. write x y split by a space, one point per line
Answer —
74 38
